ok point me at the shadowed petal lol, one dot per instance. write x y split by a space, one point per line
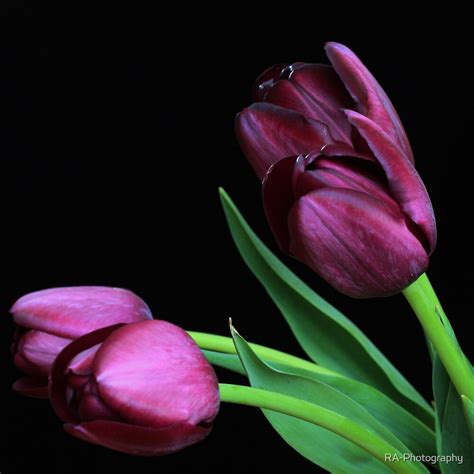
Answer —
405 184
153 374
278 197
268 133
265 81
138 440
318 93
59 374
370 98
74 311
32 387
355 242
351 173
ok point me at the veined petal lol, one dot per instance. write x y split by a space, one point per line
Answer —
267 133
355 242
405 184
138 440
153 374
366 91
73 311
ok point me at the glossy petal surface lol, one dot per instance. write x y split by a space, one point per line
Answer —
404 182
355 242
73 311
153 374
267 133
370 98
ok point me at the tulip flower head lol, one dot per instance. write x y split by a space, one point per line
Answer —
340 189
48 320
143 388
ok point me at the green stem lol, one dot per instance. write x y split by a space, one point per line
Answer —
224 344
320 416
427 308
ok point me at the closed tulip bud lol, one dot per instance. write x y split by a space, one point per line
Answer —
347 200
48 320
143 388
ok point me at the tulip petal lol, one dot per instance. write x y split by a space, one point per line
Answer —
138 440
40 349
355 242
318 93
59 374
278 197
32 387
347 172
369 95
405 184
341 149
268 133
265 81
74 311
291 96
153 374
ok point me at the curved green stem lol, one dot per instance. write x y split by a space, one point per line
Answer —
427 308
320 416
217 343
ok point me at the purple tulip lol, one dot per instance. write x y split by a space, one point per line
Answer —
49 320
143 388
340 189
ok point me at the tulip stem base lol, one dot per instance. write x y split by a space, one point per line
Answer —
319 416
425 304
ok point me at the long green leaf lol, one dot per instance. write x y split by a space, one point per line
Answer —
317 444
412 432
468 406
453 433
327 336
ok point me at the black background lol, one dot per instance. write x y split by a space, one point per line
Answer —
116 128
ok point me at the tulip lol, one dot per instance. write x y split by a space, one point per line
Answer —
143 388
49 320
346 199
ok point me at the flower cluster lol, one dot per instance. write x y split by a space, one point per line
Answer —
117 377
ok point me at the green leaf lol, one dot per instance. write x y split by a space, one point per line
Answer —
327 336
317 444
227 361
468 406
411 431
452 429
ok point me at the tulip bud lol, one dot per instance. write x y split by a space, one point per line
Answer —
350 203
143 388
49 320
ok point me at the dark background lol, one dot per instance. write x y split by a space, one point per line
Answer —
116 128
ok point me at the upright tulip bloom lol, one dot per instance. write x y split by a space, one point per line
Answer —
49 320
143 388
340 189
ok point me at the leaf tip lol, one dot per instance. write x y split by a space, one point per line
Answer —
233 331
222 192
